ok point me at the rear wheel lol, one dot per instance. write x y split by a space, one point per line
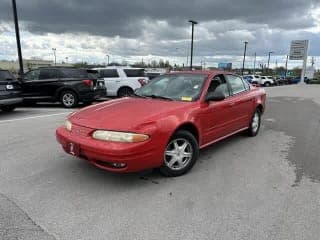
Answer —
69 99
180 154
9 108
267 84
125 92
255 123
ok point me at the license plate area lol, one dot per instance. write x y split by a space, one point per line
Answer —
73 149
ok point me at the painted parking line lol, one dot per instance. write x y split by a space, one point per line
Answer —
34 117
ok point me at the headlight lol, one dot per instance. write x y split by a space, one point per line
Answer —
119 136
68 125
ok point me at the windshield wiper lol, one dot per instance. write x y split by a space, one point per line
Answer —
159 97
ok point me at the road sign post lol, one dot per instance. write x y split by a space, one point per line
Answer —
299 51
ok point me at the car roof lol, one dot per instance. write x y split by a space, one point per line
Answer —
207 72
117 67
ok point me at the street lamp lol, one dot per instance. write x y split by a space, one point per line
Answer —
16 24
55 56
244 55
108 58
192 32
269 61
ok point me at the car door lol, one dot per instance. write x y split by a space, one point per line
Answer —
48 82
111 79
242 102
29 84
217 116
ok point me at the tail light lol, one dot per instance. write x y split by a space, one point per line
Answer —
88 82
142 81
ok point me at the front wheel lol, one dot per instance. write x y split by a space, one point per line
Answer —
255 123
180 154
9 108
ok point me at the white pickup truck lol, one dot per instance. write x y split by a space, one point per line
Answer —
122 81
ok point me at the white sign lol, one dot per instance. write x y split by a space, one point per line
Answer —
299 49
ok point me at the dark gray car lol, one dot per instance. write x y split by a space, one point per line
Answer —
10 91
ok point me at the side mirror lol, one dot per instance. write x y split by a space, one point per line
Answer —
215 96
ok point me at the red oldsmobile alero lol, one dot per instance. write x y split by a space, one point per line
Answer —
165 123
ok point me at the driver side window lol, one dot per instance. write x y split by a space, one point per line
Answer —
218 83
33 75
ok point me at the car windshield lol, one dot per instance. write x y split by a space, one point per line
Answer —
180 87
5 76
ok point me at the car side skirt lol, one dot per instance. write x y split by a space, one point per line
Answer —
224 137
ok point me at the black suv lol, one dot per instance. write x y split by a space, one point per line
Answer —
10 93
67 85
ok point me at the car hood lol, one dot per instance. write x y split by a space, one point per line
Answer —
126 114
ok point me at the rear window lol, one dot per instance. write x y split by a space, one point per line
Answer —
5 76
79 73
134 72
109 73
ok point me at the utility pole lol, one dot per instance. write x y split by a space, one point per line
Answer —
269 61
287 66
55 56
254 63
108 58
244 55
192 33
16 24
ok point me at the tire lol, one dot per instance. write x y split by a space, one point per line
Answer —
125 92
9 108
69 99
267 84
180 154
255 123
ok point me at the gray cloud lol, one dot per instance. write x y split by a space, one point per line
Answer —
124 17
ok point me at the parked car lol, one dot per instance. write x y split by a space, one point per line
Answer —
254 79
172 117
67 85
266 81
122 81
281 81
297 80
10 91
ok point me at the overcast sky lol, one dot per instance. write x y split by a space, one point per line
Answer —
130 30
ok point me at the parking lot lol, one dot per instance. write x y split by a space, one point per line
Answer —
265 187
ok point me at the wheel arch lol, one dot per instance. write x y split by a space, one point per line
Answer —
190 127
62 89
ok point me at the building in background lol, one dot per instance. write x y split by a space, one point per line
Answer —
29 64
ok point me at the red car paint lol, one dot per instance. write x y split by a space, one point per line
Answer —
159 119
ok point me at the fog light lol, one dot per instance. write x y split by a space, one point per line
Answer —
118 165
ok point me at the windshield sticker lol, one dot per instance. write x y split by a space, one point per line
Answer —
189 99
196 87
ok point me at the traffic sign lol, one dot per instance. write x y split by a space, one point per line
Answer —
299 49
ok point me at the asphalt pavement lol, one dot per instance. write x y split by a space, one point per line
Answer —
265 187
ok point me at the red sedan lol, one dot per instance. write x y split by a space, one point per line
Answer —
165 123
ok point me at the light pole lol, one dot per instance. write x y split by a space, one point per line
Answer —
16 24
269 61
244 55
254 63
55 56
192 33
108 58
67 59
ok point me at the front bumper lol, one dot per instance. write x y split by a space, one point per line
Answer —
135 156
11 101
